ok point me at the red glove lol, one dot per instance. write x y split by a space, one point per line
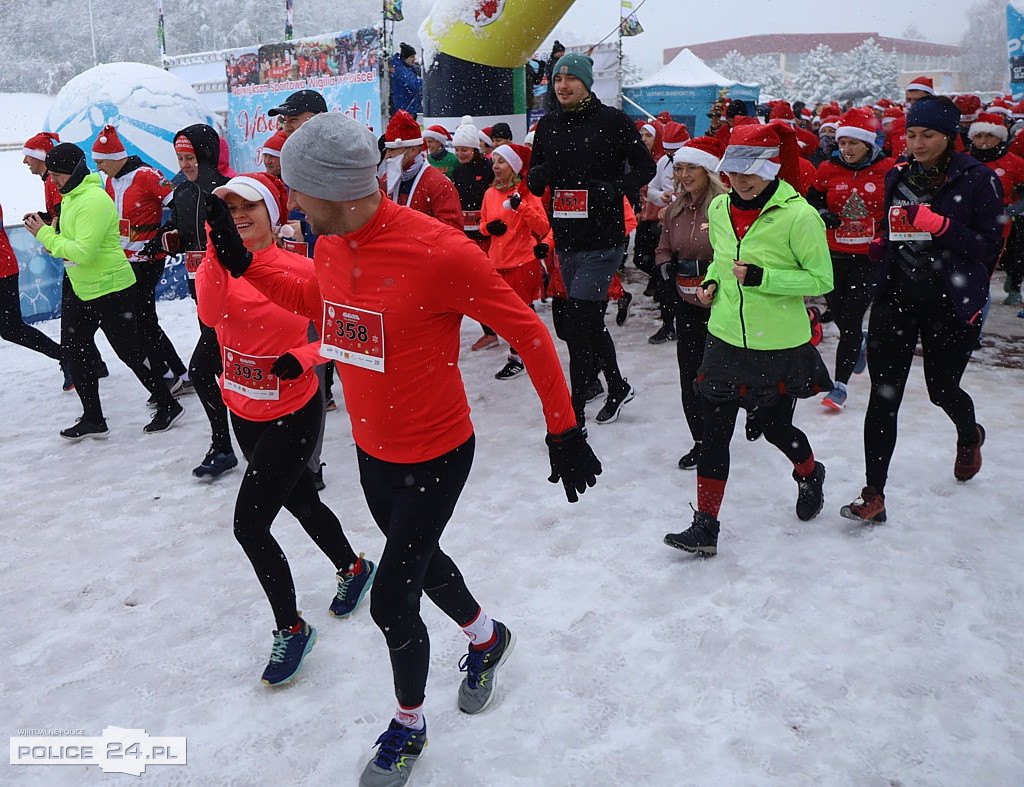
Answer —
876 249
923 217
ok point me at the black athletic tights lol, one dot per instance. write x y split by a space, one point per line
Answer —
591 349
151 335
848 301
691 326
411 504
946 343
203 369
720 423
277 477
13 327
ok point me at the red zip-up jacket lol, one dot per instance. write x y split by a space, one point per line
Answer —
526 227
422 277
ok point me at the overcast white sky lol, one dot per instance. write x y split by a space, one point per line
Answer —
673 23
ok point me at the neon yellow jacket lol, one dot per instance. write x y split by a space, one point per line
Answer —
89 241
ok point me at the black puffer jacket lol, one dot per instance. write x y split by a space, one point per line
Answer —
597 149
188 206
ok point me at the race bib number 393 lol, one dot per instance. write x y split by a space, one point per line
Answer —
353 336
569 204
250 375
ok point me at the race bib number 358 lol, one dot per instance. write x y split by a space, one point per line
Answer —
353 336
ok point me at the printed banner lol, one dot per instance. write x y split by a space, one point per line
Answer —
629 24
1015 50
341 66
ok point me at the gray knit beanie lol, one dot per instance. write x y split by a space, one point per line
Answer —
331 156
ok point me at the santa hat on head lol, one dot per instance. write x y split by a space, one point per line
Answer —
437 133
784 112
924 84
485 136
988 123
664 116
108 146
273 145
674 135
1017 110
39 145
829 123
753 150
647 125
516 156
969 106
806 114
1000 106
858 123
259 187
890 114
705 152
403 132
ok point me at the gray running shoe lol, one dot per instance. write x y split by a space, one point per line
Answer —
477 689
397 751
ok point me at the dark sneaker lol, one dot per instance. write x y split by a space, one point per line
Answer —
663 336
968 458
622 308
288 652
318 478
700 537
187 387
689 461
511 369
352 588
398 748
862 359
216 464
869 507
174 385
613 404
595 391
83 429
481 666
164 418
753 428
810 492
101 370
330 405
69 384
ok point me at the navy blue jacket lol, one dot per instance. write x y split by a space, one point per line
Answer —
405 86
972 199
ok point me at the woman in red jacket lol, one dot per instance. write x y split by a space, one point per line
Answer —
274 399
849 194
515 221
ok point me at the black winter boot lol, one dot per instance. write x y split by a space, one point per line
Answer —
701 537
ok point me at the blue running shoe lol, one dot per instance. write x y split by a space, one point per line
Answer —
398 750
480 666
216 464
836 399
352 588
862 359
288 652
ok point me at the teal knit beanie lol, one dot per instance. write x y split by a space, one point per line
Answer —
578 65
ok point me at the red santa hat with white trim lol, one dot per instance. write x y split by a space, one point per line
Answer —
753 150
1017 111
858 123
1000 106
989 123
516 156
924 84
969 106
438 134
891 114
674 135
273 145
485 136
403 132
705 152
108 146
40 144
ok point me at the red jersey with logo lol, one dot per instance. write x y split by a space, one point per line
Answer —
1009 169
140 196
253 332
8 260
412 279
858 198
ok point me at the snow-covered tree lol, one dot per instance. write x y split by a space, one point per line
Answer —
733 66
868 71
816 80
983 46
764 71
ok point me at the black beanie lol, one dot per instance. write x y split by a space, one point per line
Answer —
405 50
501 131
64 158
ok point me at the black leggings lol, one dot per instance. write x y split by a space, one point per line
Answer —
278 477
411 504
151 336
946 343
691 327
92 353
848 302
13 327
591 349
720 422
114 314
203 369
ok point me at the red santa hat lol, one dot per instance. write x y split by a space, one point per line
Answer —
969 106
1000 105
273 145
890 114
753 150
705 152
39 145
924 84
858 123
784 112
108 146
437 133
259 187
673 135
988 123
516 156
829 123
485 136
403 132
1017 110
647 125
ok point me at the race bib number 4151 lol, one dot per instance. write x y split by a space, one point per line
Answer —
353 336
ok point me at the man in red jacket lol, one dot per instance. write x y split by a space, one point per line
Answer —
408 179
390 289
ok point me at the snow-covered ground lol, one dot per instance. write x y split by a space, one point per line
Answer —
804 654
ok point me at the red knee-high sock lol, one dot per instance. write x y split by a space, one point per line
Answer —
805 468
710 492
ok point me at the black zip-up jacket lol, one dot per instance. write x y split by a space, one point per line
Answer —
188 205
597 149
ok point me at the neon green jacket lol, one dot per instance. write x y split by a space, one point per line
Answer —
788 242
90 241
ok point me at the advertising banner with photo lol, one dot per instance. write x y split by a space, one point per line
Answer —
343 67
1015 49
